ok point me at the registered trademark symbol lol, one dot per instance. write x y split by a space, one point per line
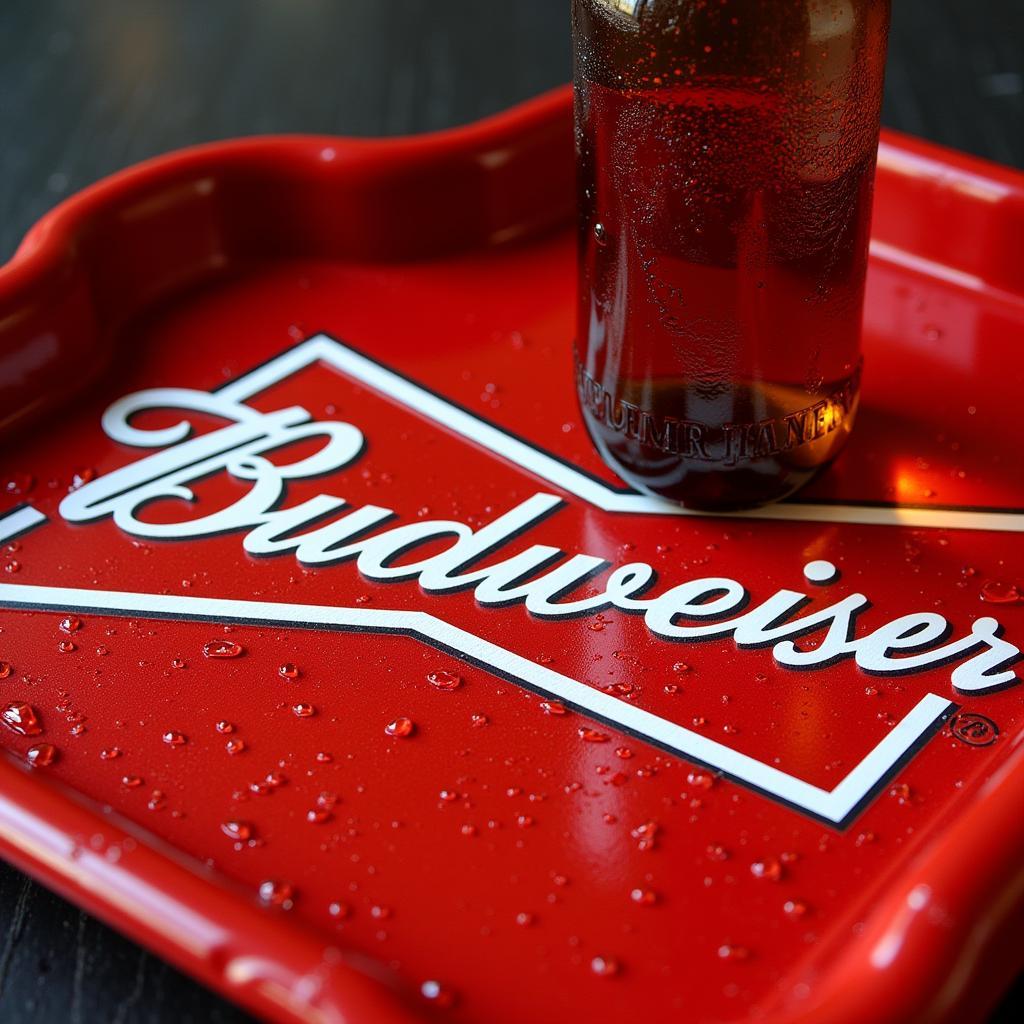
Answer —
973 729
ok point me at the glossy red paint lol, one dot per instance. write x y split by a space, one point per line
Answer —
533 864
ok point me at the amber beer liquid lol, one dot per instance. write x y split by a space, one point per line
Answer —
726 154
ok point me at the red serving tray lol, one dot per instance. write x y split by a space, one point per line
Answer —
705 833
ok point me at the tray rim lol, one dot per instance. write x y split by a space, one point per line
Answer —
42 823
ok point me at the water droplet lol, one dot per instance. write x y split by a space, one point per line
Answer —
717 852
235 746
479 721
303 710
224 727
70 624
41 755
21 718
324 758
729 951
468 830
437 994
702 780
275 779
604 966
645 834
901 792
671 688
600 233
794 908
592 735
19 483
441 679
524 919
240 831
110 753
66 646
5 669
552 707
174 739
278 894
81 477
131 781
524 821
318 816
288 671
380 912
339 910
402 728
77 729
645 897
178 663
624 752
996 592
157 800
682 666
221 649
769 869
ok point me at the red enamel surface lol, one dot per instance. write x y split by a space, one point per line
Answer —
496 849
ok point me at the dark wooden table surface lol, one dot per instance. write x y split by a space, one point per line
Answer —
88 87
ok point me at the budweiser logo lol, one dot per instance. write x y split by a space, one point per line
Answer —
496 562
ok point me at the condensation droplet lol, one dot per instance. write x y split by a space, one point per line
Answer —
769 869
221 649
997 592
174 739
288 671
41 755
729 951
645 897
277 894
21 718
437 994
402 728
604 966
443 680
303 710
240 831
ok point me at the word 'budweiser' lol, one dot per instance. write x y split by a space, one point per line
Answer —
540 577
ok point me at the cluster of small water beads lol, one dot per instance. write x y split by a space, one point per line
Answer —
23 719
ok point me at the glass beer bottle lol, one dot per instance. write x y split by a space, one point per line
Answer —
726 153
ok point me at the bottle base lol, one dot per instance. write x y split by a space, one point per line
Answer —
704 484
